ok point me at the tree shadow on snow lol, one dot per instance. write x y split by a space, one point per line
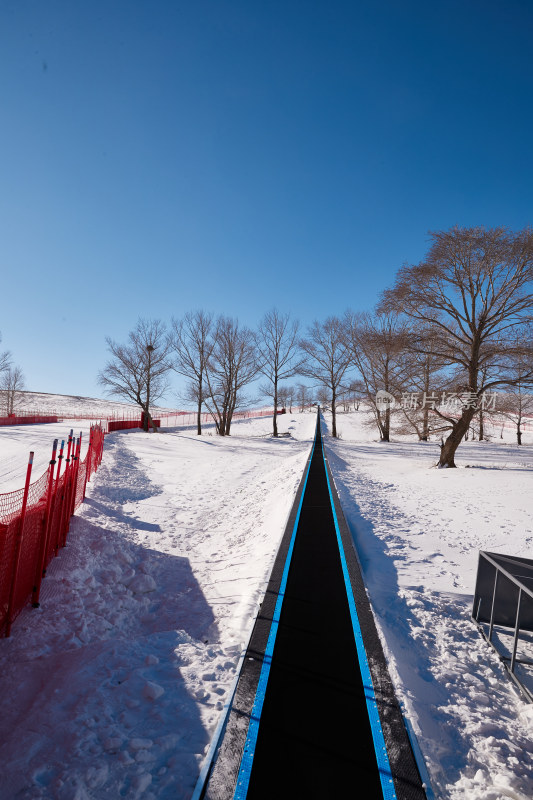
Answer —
123 518
119 621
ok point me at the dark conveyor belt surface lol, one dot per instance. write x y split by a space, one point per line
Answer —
314 724
302 685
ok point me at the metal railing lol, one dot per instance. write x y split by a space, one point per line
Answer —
503 612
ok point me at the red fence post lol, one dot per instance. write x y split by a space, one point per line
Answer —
73 481
76 473
69 503
88 461
65 497
46 527
54 502
18 546
101 448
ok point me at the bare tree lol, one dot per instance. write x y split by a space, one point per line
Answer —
5 359
517 406
12 385
473 290
303 396
138 371
291 394
232 366
279 355
323 397
283 395
356 393
426 382
193 342
327 358
378 345
517 403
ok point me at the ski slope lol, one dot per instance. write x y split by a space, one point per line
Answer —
116 684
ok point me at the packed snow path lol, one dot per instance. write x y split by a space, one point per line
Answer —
314 713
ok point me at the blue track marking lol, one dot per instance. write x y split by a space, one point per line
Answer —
385 773
245 770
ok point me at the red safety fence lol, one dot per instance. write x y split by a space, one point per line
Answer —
34 522
128 424
181 419
117 420
32 419
123 424
184 419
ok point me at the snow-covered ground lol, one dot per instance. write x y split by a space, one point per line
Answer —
418 531
71 405
115 685
16 442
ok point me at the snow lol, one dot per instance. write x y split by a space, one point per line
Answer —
72 405
16 441
117 683
418 532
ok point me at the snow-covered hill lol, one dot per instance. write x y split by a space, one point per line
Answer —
73 405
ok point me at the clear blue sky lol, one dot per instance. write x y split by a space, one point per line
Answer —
158 157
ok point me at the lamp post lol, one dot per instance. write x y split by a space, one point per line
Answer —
149 350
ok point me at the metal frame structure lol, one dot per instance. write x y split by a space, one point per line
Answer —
504 599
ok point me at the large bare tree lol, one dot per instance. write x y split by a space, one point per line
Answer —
138 371
327 358
193 342
279 355
474 292
232 366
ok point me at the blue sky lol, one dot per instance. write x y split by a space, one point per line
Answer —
158 157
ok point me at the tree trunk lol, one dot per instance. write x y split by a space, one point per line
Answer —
275 411
150 422
425 424
229 416
481 426
199 423
425 412
199 420
385 435
333 416
518 434
460 429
